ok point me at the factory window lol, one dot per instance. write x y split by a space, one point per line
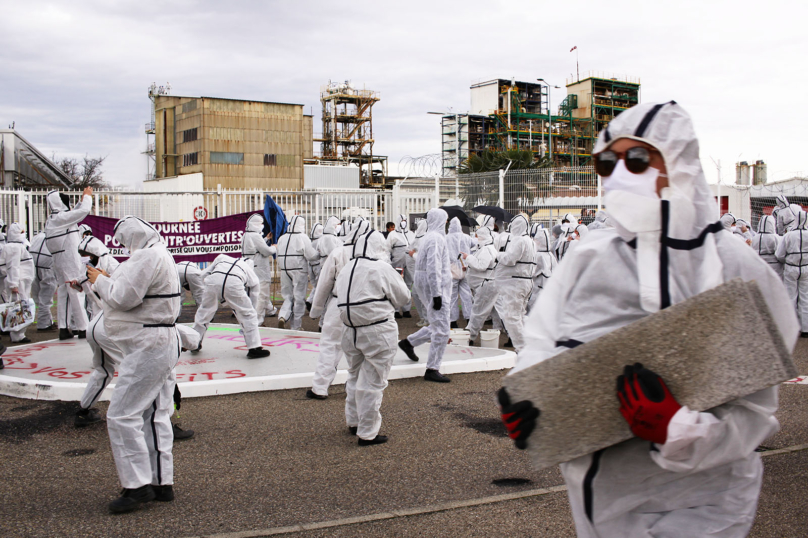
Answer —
269 159
189 135
223 157
190 159
189 106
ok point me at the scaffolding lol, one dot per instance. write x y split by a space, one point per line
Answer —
348 131
151 162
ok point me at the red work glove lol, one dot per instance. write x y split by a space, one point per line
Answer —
519 418
646 403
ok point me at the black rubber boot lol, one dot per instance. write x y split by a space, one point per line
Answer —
81 334
180 435
311 395
65 334
131 499
353 429
85 417
378 440
407 314
407 348
453 325
437 377
163 494
257 353
398 315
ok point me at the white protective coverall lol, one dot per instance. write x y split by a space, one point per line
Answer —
601 221
191 279
792 252
563 241
420 305
433 279
294 248
481 266
369 291
141 304
516 263
545 262
705 480
227 281
255 248
326 244
399 243
17 266
459 242
44 285
324 306
62 239
765 243
314 265
94 247
2 244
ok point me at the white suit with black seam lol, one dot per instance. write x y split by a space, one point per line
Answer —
191 279
792 252
105 262
369 291
17 266
324 306
229 281
459 242
705 480
399 243
141 302
420 305
43 287
545 262
314 265
294 249
433 278
255 248
765 243
62 238
326 244
481 264
516 263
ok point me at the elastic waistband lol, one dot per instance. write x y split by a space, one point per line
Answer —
159 325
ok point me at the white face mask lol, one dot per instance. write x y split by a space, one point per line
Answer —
85 260
733 228
644 184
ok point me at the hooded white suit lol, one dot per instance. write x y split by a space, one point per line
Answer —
793 253
93 246
399 243
459 242
601 221
326 244
765 243
433 279
545 263
294 248
705 480
62 238
255 248
369 291
44 285
420 305
191 279
481 264
516 263
314 265
141 303
17 265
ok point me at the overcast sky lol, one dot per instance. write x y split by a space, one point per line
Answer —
75 74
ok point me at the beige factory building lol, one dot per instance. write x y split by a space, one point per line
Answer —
235 144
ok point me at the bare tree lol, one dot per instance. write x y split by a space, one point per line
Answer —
84 173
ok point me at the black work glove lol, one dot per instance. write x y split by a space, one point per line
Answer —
519 418
437 302
177 397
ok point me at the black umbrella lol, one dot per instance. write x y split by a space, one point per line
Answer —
457 211
499 214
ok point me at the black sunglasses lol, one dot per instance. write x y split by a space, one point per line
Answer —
637 159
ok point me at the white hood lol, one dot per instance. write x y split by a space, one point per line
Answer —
369 245
436 221
330 227
135 234
93 245
255 223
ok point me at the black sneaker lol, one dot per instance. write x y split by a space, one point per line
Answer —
378 440
453 325
353 429
398 315
85 417
509 343
163 494
25 340
437 377
407 348
311 395
81 334
131 499
257 353
65 334
407 314
51 327
180 435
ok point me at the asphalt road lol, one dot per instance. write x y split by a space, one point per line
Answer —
266 463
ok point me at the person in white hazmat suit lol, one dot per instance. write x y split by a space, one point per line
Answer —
459 243
254 247
481 266
433 282
369 291
17 266
227 281
2 244
294 248
191 279
601 221
765 243
314 265
700 474
420 305
141 303
43 287
516 263
326 244
100 258
399 243
792 252
324 306
545 262
62 238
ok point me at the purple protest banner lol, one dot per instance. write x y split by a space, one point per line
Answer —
195 241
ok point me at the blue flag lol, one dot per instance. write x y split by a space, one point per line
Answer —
275 220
